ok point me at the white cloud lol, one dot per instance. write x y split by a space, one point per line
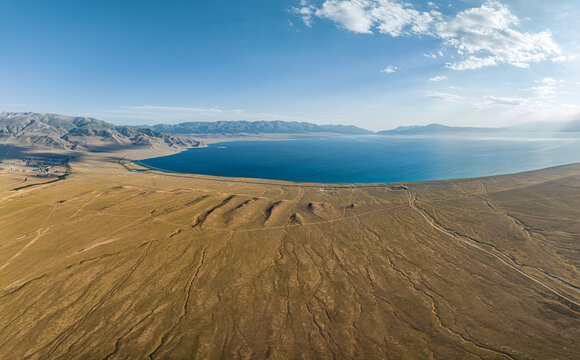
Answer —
306 12
445 96
482 36
471 63
506 101
488 36
397 19
547 88
389 69
563 58
438 78
353 15
386 16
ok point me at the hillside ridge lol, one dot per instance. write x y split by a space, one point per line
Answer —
70 133
253 127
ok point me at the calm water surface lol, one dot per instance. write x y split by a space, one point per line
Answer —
370 158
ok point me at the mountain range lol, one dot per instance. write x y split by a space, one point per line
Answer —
285 127
533 127
253 127
67 132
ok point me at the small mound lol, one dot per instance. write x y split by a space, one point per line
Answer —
323 210
248 211
277 213
296 218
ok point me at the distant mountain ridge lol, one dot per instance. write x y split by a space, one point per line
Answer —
431 129
253 127
68 132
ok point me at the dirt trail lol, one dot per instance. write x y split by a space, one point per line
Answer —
470 242
31 242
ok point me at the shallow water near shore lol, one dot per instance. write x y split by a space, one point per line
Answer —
373 158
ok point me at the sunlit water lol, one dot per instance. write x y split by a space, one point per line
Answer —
361 159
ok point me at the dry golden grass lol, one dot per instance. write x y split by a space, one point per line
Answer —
113 264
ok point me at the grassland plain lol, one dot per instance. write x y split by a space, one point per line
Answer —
112 264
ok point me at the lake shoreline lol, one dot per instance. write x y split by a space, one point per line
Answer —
354 159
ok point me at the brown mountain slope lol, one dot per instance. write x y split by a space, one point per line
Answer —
112 264
67 132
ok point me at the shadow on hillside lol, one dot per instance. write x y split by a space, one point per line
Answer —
111 148
18 151
9 151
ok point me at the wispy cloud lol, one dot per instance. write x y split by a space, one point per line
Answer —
540 104
445 96
481 36
306 12
390 69
528 110
547 88
563 58
438 78
472 63
503 101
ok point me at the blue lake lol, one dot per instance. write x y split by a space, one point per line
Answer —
370 158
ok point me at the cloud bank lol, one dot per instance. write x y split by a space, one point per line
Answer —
480 37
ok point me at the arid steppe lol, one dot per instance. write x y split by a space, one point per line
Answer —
115 262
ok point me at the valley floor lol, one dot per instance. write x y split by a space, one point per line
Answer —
114 264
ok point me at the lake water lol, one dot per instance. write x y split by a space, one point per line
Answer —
373 158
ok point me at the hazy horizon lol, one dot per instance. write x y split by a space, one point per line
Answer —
121 123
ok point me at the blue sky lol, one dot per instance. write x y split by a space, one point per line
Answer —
373 63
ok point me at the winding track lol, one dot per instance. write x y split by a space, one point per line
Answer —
470 242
